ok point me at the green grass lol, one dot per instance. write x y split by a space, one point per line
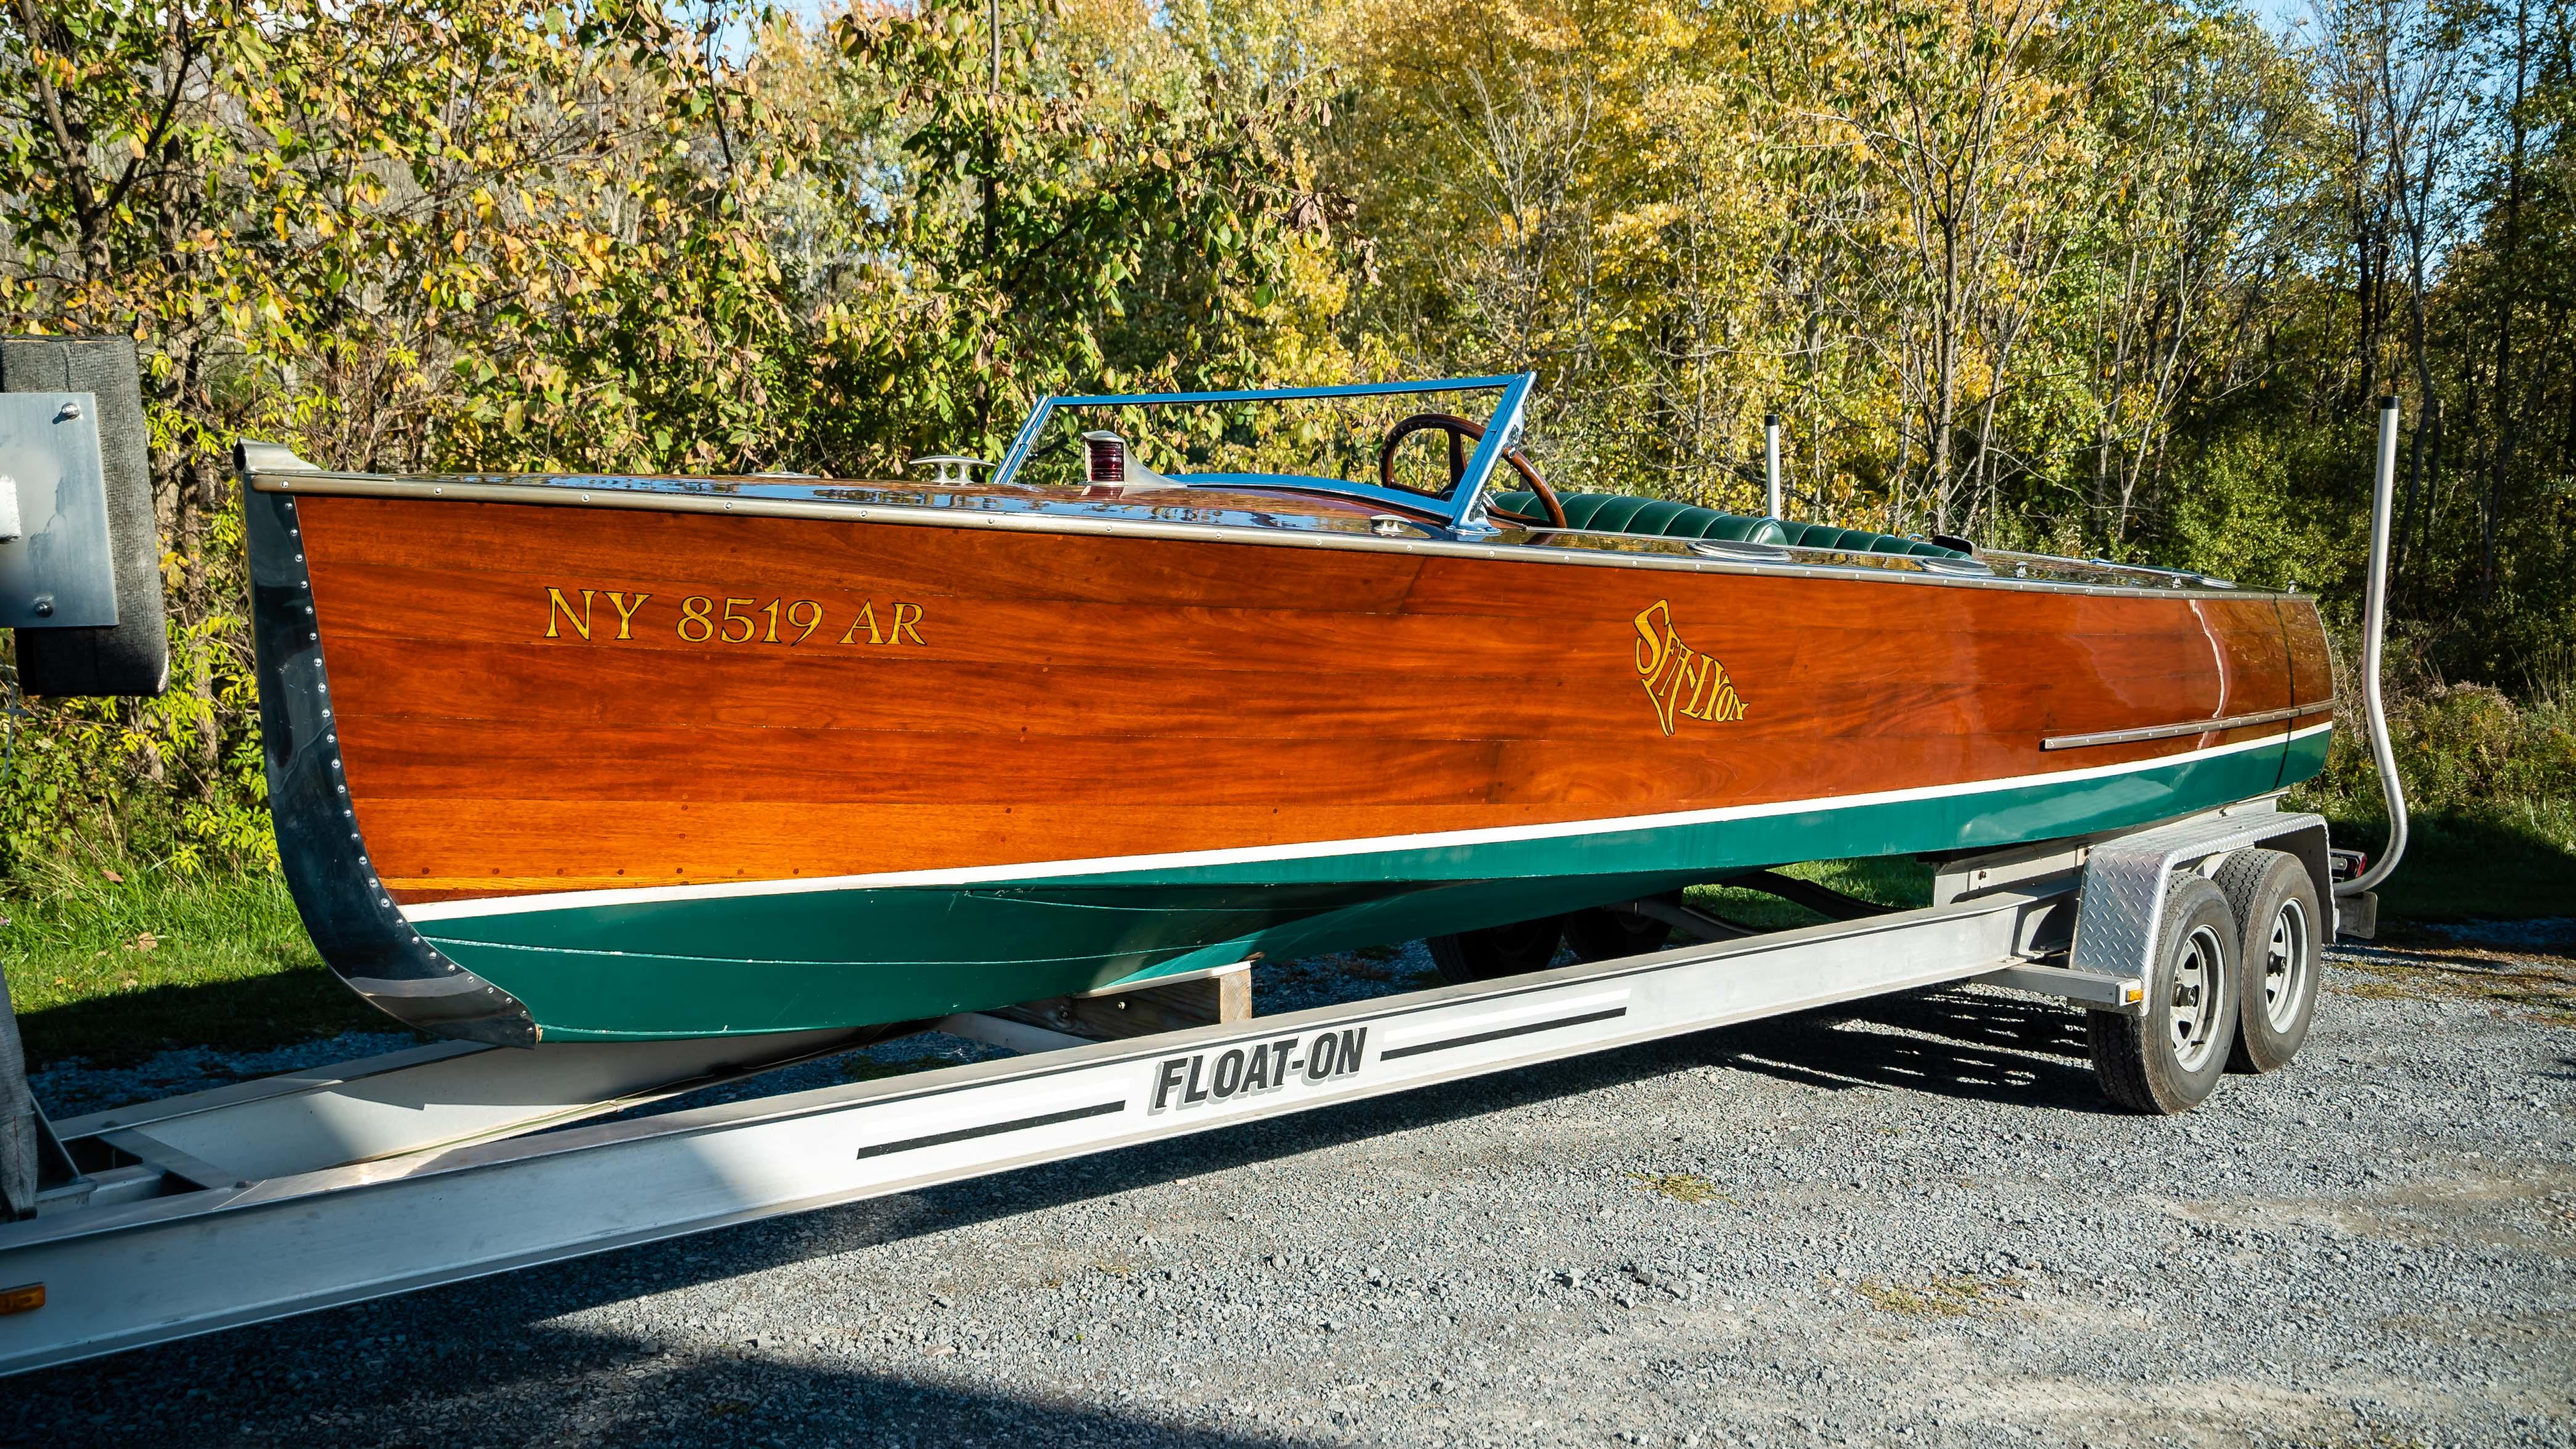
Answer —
1899 881
2491 784
114 969
2498 862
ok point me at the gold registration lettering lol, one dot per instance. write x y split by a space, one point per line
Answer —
1681 683
559 611
625 612
730 619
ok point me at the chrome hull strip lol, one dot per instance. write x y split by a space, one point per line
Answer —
2186 727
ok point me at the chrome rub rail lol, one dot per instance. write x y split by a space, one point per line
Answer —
2186 727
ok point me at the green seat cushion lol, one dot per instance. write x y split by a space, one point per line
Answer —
1652 517
1664 518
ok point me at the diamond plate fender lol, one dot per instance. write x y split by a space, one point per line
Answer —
2121 908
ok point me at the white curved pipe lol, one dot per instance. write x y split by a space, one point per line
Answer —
2374 627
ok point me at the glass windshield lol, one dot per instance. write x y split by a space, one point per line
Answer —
1304 438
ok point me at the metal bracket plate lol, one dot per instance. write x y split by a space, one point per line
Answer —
2121 908
59 572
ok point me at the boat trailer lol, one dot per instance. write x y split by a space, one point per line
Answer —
451 1161
157 1221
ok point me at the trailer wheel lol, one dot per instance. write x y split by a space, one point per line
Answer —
1495 951
1603 934
2170 1059
2275 900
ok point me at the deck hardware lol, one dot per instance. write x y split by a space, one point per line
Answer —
1773 504
951 468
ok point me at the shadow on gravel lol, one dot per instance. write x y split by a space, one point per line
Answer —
1948 1043
470 1347
342 1380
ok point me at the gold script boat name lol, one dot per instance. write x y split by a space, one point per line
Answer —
1681 682
608 615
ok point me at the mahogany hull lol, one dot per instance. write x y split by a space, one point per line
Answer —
653 773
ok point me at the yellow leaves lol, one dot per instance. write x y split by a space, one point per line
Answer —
1539 31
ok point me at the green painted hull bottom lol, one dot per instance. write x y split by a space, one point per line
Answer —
711 965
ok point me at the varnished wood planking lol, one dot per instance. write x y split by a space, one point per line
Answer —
1234 717
945 562
515 610
2312 662
436 759
1282 700
1488 659
460 844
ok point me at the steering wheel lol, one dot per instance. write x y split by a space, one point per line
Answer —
1461 431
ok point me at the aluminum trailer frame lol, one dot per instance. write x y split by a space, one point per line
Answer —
453 1161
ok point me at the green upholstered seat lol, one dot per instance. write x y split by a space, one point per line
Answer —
1663 518
1651 517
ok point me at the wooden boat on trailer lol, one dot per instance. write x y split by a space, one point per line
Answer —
1189 678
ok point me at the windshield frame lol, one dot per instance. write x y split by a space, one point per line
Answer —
1462 511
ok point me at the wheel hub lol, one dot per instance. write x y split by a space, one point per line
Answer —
2194 1008
2285 964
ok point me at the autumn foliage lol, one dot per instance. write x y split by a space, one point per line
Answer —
2120 277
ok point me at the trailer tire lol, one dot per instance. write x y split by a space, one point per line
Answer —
2169 1059
1493 951
2276 902
1604 934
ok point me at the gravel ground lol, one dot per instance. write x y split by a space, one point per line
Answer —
1914 1223
73 1088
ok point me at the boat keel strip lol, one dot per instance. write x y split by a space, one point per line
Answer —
280 1197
